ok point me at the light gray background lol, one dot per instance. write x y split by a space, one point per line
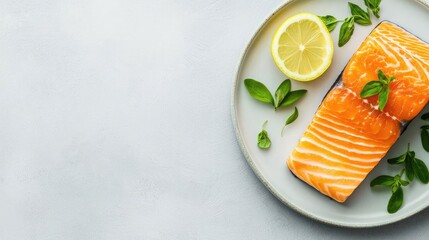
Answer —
115 124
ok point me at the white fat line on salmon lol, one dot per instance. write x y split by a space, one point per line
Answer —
347 149
333 118
409 42
331 177
337 154
358 143
373 107
384 43
331 121
336 185
313 163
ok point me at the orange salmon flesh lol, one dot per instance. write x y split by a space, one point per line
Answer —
349 135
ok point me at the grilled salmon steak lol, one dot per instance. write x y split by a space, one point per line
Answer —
349 135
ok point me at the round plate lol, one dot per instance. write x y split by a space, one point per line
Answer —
366 207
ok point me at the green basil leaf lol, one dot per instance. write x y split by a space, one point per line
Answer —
381 76
404 183
292 117
329 21
421 170
409 170
425 139
383 97
425 116
397 160
258 91
424 127
395 201
264 141
382 180
371 88
361 16
374 5
292 97
391 78
282 91
395 186
346 31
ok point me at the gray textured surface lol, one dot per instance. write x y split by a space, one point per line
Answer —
116 125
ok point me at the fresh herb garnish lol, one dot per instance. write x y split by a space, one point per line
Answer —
380 87
264 141
425 137
424 134
361 16
292 97
281 92
330 22
346 31
413 167
358 15
283 97
291 118
258 91
374 6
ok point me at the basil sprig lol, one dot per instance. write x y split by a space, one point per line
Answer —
374 6
264 141
358 15
283 96
413 167
380 88
424 134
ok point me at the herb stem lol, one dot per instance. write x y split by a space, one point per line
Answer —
264 124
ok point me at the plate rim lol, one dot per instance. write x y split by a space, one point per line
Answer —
249 159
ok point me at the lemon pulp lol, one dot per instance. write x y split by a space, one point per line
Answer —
302 47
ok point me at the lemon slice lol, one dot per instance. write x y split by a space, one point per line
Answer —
302 47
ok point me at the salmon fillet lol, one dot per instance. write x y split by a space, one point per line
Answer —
349 135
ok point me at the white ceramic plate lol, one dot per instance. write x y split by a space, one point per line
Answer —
366 207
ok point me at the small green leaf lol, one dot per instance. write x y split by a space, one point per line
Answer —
361 16
264 141
395 201
381 76
395 186
421 170
291 118
382 180
425 139
371 88
346 31
292 97
424 127
258 91
397 160
425 116
329 21
374 5
383 97
391 78
404 183
282 91
409 170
